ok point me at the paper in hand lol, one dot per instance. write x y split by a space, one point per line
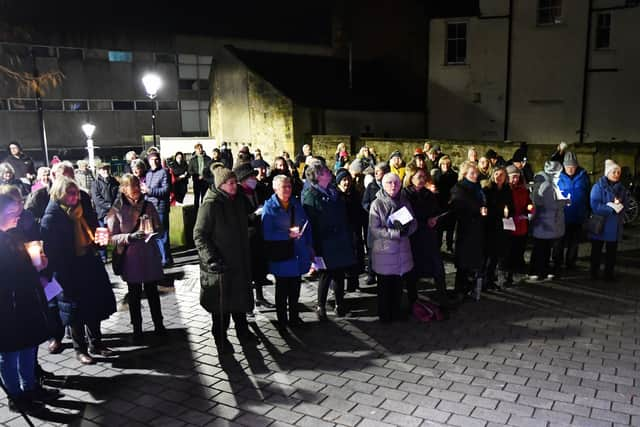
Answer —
318 263
402 215
52 289
508 224
615 206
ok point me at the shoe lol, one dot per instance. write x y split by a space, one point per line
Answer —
322 314
248 337
224 347
85 359
24 405
55 347
371 281
264 303
101 350
339 311
44 394
160 331
296 322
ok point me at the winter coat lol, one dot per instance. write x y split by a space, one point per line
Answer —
37 202
221 237
424 242
444 183
390 251
370 195
466 200
87 295
84 179
498 239
23 305
276 222
22 165
256 239
578 187
193 166
157 181
330 229
548 217
602 193
104 193
142 261
521 202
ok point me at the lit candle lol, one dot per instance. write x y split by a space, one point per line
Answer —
506 212
616 200
483 211
34 249
146 225
102 236
529 207
295 230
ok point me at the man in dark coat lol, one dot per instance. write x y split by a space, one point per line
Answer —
221 235
156 189
104 191
21 163
198 164
226 156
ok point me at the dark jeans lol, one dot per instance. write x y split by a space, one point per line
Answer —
542 249
516 263
326 276
200 187
18 371
56 328
390 297
447 225
220 324
287 296
162 240
85 333
570 241
153 298
609 259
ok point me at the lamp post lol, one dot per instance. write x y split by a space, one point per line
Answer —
152 83
88 130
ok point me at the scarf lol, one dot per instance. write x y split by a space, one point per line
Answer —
83 236
475 187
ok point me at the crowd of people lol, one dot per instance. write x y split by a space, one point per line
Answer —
307 217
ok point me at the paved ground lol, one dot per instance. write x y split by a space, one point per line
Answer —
557 353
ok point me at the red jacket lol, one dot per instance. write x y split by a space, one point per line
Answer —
521 201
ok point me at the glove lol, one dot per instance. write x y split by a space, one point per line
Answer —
138 235
217 267
404 230
397 225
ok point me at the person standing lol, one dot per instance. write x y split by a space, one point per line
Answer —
221 236
156 190
444 179
280 217
370 194
84 175
574 184
390 247
226 155
608 200
104 192
351 197
522 206
179 169
196 169
43 179
141 260
21 163
332 239
396 165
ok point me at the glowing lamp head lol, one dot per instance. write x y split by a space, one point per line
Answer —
88 130
152 83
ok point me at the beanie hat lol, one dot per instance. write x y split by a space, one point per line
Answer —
244 171
221 175
570 159
512 170
491 154
395 154
341 174
552 168
418 153
610 165
259 164
519 155
153 154
356 166
437 148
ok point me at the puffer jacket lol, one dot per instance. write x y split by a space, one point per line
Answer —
391 252
602 193
548 218
578 187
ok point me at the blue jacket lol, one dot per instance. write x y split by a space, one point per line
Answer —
158 183
276 223
578 187
602 193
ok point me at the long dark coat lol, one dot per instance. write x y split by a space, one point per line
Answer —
23 306
87 295
221 236
256 237
466 201
498 239
424 242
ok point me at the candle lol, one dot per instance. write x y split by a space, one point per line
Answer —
295 230
616 200
506 212
102 236
34 249
483 211
529 207
146 225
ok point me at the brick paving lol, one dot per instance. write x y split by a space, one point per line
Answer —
557 353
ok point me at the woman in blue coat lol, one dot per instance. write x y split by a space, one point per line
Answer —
280 214
68 227
608 199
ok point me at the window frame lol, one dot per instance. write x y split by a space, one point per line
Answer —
555 19
457 40
600 30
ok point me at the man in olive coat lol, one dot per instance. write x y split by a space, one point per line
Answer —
222 240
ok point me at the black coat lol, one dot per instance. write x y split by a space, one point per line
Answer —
256 237
22 165
370 195
192 168
23 306
424 242
37 202
24 188
466 201
103 193
498 239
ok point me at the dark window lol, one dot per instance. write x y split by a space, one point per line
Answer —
76 105
549 12
65 53
456 47
167 105
52 105
123 105
187 84
145 105
3 104
44 51
203 84
22 104
166 58
603 31
120 56
100 105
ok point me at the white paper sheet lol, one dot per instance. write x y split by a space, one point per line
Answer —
615 206
403 215
52 289
508 224
149 236
318 263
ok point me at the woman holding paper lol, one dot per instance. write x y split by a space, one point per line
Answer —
141 259
283 222
23 313
608 200
391 222
522 207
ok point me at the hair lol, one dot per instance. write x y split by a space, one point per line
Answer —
464 168
82 163
60 187
361 152
16 143
492 180
286 155
6 167
129 156
279 158
42 170
444 159
195 147
6 200
383 166
153 150
127 180
278 179
314 170
59 169
341 147
104 166
11 191
138 164
410 171
390 176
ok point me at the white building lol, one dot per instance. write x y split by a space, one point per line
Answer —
536 70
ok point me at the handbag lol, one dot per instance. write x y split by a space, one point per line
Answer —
281 250
594 224
117 259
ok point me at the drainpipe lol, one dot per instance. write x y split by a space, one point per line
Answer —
585 75
507 98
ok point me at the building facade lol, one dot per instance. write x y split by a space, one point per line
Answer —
540 71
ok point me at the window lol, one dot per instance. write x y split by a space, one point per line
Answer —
44 51
549 12
193 71
145 105
100 105
603 31
75 105
166 58
67 53
3 105
167 105
120 56
22 105
123 105
456 49
51 105
195 117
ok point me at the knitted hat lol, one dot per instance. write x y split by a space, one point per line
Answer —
418 153
395 154
259 164
341 174
244 171
356 166
519 155
491 154
512 170
221 175
570 159
610 165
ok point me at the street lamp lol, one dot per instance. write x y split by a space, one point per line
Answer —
152 83
88 130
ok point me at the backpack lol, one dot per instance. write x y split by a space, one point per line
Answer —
426 311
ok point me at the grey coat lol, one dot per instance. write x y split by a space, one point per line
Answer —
391 252
142 261
548 217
